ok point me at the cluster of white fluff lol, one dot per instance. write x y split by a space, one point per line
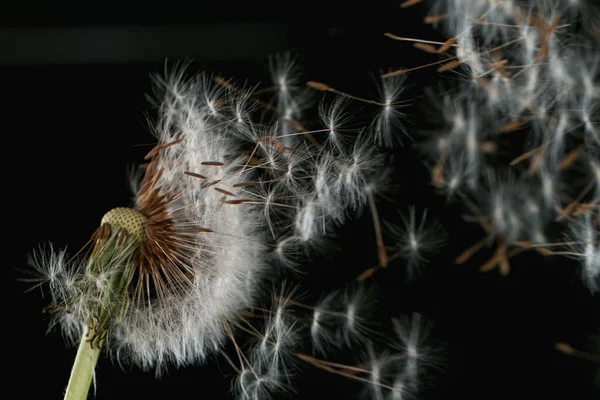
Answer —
399 371
519 135
259 184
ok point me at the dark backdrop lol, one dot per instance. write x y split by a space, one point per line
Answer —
73 79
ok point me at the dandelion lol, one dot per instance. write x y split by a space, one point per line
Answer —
141 265
220 202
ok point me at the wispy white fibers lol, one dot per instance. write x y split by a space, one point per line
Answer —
583 244
416 238
236 186
400 369
517 134
227 255
52 267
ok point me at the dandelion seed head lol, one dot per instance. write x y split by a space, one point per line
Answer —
126 218
217 201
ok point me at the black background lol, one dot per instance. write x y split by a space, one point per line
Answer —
73 82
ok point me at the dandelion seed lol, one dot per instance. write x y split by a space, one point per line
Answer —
417 239
387 123
292 97
584 234
310 221
335 119
420 351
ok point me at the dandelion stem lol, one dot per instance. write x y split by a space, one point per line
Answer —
83 368
116 243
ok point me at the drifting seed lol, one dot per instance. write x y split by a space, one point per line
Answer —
212 163
195 175
437 173
152 153
238 201
209 184
536 162
223 82
403 71
428 48
468 253
511 126
545 31
584 208
274 143
409 3
544 252
565 348
499 63
295 124
244 184
432 19
449 65
571 157
225 192
482 82
566 211
504 264
367 273
522 157
525 245
326 88
491 263
318 86
159 147
447 44
488 146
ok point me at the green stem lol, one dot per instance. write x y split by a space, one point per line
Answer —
113 255
83 367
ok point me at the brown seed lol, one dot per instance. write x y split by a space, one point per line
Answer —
225 192
511 126
244 184
238 201
195 175
428 48
318 86
432 19
447 44
449 65
409 3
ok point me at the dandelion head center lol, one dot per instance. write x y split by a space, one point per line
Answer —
128 219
